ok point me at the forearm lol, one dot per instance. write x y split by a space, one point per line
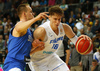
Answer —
67 56
22 26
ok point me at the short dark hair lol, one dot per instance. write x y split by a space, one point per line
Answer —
21 8
94 60
55 10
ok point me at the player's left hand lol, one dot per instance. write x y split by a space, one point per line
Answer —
85 37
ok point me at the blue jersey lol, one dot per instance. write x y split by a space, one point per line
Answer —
18 47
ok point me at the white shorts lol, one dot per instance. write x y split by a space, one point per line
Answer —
15 69
51 63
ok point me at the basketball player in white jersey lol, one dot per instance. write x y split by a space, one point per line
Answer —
52 33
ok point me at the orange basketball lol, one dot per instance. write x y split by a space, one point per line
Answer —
83 46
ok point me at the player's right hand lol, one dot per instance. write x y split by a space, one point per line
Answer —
42 15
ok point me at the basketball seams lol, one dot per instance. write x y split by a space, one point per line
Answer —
82 46
77 44
88 48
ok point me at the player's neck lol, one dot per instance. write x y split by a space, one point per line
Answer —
55 29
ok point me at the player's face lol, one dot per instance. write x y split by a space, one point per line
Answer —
29 13
55 20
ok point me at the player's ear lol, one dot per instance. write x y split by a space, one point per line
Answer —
49 17
24 14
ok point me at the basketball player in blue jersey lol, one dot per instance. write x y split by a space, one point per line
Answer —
20 39
52 33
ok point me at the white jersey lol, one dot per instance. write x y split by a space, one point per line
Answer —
52 42
96 56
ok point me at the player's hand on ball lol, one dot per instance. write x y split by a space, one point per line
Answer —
85 37
36 43
37 46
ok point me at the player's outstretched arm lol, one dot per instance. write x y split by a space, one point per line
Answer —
23 25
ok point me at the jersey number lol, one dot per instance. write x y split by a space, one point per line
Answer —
55 46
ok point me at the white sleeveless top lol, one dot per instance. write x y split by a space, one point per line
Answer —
52 42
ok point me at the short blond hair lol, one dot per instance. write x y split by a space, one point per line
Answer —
21 8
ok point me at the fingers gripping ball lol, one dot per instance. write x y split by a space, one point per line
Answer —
83 46
37 43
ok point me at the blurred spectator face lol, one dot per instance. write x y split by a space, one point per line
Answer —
0 22
96 22
1 37
4 20
5 32
94 63
95 8
63 1
36 25
1 27
89 28
82 31
87 22
63 20
72 12
6 37
75 30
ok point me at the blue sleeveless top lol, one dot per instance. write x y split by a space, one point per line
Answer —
18 47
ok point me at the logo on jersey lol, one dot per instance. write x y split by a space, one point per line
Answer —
56 40
47 52
30 38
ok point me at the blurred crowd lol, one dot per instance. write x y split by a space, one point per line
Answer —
82 15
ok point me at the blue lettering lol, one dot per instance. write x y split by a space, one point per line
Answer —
47 52
56 40
55 46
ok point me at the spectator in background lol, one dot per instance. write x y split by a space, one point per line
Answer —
89 33
51 2
1 27
95 66
4 23
71 22
15 18
96 41
86 24
63 5
96 55
76 31
43 3
1 57
6 41
16 3
75 60
7 7
1 42
96 11
95 27
58 2
72 15
1 8
63 20
79 25
34 4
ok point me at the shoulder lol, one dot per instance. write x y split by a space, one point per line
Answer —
66 26
39 33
